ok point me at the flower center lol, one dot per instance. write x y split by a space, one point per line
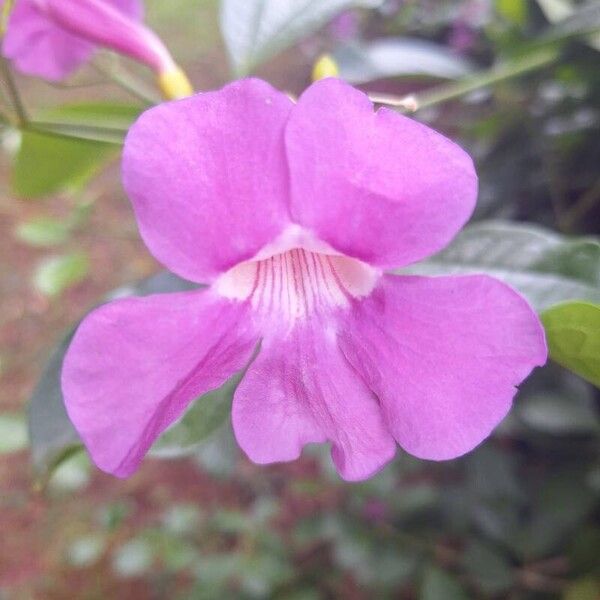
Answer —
298 282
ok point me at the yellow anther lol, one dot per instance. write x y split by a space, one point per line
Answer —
174 84
325 67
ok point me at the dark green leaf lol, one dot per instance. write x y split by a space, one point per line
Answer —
587 588
52 436
255 30
573 334
545 267
441 585
584 551
564 501
399 57
46 163
490 569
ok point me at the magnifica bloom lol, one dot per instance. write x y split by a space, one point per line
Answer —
52 38
292 214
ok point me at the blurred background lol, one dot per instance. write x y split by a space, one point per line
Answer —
517 519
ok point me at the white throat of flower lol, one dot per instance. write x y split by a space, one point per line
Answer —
296 277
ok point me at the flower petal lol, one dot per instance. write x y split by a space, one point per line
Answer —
135 364
108 26
299 390
376 186
207 177
39 47
444 356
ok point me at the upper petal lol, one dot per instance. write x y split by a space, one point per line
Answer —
444 356
300 389
375 185
135 364
207 177
37 46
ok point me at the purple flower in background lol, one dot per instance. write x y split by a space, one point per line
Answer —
52 38
293 213
345 26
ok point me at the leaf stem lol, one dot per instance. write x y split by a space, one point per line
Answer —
80 132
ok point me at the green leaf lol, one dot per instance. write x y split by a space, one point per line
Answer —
488 567
13 433
573 334
514 11
399 57
255 30
57 273
562 504
559 415
47 163
42 232
586 588
441 585
545 267
579 21
204 416
53 438
556 10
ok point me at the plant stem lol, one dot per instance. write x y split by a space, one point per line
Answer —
128 83
6 10
451 91
13 92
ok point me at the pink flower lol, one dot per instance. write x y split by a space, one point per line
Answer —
293 213
52 38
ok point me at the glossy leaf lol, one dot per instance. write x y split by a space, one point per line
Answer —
255 30
399 57
47 163
573 334
545 267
